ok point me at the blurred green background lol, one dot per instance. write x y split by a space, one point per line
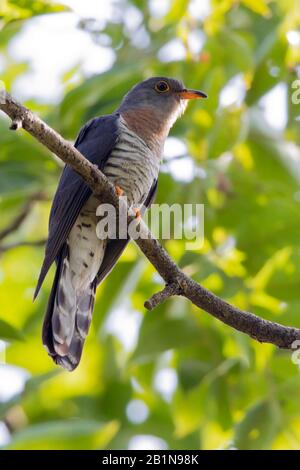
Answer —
175 377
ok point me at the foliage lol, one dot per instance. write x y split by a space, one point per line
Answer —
230 391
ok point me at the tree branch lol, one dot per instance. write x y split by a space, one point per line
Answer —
246 322
11 246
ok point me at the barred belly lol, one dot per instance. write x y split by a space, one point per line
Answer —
132 166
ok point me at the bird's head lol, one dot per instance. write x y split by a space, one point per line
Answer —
157 102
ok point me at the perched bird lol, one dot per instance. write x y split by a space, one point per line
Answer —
127 146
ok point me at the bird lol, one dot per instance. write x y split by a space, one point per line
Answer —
127 146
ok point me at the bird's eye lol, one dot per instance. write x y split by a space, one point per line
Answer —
162 87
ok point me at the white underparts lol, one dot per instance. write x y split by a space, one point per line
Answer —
86 251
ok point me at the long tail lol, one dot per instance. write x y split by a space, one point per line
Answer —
68 316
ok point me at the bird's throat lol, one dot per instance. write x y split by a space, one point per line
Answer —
148 125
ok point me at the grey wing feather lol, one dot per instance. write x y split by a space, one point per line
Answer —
95 141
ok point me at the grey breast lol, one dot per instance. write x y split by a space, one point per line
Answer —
132 165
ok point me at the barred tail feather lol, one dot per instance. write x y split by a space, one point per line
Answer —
68 317
81 324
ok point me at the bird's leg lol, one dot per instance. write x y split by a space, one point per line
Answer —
119 191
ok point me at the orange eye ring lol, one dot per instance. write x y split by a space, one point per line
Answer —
162 86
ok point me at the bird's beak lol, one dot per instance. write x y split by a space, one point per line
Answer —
191 94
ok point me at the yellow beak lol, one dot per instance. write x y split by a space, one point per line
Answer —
191 94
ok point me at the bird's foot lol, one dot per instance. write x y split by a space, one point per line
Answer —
119 191
137 212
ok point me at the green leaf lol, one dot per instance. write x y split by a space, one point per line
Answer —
236 51
177 10
11 10
160 332
9 332
257 430
72 434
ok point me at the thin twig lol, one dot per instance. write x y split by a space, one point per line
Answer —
16 125
159 297
255 327
17 222
11 246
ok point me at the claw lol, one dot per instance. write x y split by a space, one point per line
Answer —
119 191
137 212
